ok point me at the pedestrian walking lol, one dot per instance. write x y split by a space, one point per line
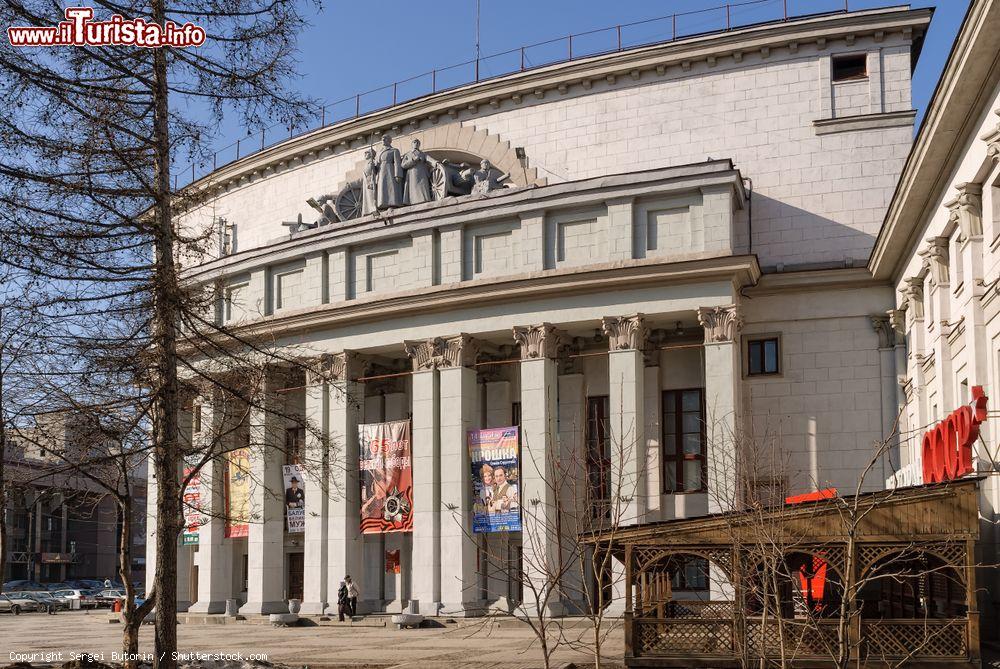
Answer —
352 595
342 603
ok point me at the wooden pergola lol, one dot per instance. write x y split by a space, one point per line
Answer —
884 578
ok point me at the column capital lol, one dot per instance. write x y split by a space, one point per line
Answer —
913 295
721 323
935 256
625 332
967 210
883 328
440 352
897 321
538 341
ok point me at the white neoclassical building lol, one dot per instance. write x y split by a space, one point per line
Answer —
668 242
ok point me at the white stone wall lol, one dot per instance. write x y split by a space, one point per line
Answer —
758 111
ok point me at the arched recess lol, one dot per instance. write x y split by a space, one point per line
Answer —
462 143
913 584
805 580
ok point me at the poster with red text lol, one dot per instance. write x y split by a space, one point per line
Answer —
192 503
386 477
238 493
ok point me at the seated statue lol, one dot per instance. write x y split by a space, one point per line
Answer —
485 179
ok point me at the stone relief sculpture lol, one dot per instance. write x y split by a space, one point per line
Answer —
485 179
390 179
418 168
390 176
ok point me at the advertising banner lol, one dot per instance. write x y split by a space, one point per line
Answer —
238 493
386 477
295 497
192 505
496 504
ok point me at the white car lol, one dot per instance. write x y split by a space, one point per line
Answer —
86 599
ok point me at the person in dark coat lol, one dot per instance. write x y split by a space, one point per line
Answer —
342 603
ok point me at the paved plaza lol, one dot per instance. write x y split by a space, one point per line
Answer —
504 644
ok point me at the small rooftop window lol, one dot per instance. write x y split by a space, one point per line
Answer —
850 67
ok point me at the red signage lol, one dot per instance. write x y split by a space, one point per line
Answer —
946 449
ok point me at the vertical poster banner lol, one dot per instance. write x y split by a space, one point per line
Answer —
192 503
295 497
238 493
386 477
496 505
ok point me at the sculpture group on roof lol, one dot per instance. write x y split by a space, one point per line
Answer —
390 179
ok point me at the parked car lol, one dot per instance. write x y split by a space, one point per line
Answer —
108 597
43 601
22 586
17 603
85 596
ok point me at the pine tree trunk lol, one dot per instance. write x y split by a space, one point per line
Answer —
166 308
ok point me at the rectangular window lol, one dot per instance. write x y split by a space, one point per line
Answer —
850 67
598 449
689 574
196 418
684 440
762 357
295 442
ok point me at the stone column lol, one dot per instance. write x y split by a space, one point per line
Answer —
966 214
572 427
722 404
937 261
425 588
652 410
888 393
344 541
540 547
266 537
626 376
215 555
459 392
151 517
316 595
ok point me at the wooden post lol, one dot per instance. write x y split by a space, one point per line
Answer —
972 601
627 622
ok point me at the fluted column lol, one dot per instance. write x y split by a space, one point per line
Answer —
215 555
626 377
540 546
344 541
425 587
459 577
316 485
266 535
722 405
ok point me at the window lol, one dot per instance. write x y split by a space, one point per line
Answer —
684 440
689 573
850 67
196 418
295 440
598 448
762 357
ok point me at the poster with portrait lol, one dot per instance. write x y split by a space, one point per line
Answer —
295 497
192 503
238 493
496 502
385 461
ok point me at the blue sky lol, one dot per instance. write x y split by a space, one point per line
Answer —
353 47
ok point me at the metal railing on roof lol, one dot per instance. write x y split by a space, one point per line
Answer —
611 39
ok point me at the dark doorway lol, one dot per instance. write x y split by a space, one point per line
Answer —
296 572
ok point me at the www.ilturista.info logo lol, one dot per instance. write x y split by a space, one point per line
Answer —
79 29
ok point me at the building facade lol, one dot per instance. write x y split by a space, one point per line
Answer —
666 250
940 250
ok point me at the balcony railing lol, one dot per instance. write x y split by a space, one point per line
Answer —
610 39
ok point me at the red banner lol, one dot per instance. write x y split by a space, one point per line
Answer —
385 461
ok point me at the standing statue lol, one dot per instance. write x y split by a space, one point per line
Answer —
369 184
390 176
484 179
418 176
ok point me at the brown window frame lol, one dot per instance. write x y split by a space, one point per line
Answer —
597 439
855 75
762 343
679 457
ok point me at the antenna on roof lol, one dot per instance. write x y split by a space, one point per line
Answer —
477 31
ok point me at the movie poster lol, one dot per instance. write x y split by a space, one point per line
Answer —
238 493
192 504
496 504
295 497
386 477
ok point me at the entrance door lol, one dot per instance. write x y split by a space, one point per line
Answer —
296 574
